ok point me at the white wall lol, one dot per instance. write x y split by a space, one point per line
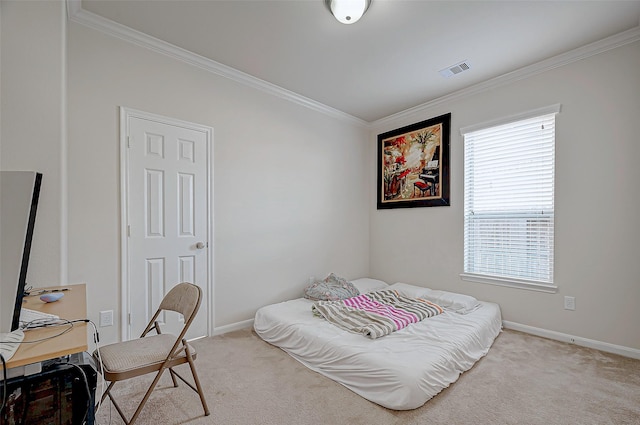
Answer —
289 183
32 123
294 189
597 259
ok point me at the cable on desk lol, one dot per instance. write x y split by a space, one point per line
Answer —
61 322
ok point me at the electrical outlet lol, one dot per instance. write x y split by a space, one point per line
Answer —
106 318
311 279
569 303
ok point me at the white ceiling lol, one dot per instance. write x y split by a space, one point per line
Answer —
388 61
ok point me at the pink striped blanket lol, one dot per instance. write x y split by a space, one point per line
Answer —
375 314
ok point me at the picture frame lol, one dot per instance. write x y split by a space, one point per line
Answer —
413 165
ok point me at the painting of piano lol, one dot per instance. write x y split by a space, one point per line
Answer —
413 165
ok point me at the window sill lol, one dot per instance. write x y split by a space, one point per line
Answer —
529 285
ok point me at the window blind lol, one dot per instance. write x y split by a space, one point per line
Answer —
508 200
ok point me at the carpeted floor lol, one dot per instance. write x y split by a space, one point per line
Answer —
523 380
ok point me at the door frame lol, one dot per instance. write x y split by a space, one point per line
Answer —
125 304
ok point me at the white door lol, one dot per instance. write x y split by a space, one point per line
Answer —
167 215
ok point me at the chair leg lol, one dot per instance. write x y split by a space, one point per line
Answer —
106 393
119 410
146 396
197 381
113 401
173 377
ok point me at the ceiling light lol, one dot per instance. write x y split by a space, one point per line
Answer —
348 11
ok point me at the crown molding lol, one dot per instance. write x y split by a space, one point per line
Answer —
626 37
78 15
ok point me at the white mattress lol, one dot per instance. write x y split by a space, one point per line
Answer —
400 371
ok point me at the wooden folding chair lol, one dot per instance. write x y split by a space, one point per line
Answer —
156 352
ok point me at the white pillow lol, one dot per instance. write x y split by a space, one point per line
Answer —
410 291
366 284
451 301
459 303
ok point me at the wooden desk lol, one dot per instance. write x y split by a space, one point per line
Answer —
73 305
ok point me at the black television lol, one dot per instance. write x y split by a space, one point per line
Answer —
19 195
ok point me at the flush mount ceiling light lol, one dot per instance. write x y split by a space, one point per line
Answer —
348 11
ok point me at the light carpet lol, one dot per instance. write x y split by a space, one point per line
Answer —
523 380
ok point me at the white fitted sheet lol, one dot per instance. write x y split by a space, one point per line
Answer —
400 371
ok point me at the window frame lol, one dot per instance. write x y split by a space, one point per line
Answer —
513 282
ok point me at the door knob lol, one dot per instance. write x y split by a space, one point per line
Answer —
200 245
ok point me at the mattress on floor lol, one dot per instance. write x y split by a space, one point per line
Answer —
400 371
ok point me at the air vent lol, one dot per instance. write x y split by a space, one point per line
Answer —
455 69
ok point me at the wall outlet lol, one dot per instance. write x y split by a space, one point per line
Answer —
106 318
569 303
311 279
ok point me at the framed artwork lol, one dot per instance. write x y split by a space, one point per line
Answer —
413 165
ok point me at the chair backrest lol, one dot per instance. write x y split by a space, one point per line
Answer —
183 298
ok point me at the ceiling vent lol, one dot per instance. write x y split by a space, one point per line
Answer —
455 69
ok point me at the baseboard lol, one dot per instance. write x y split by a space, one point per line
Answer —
232 327
571 339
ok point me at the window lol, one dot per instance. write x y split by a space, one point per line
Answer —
508 201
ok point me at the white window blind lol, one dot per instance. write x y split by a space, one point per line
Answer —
508 201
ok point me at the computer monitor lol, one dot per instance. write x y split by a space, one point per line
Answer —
19 194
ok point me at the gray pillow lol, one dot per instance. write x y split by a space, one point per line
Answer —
332 288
